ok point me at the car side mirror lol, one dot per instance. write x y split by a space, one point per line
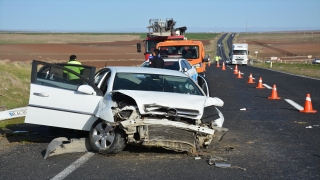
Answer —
184 70
206 58
86 89
138 47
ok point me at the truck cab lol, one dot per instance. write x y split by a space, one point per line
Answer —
191 50
239 54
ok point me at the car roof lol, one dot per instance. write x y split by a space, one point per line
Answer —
173 59
132 69
170 59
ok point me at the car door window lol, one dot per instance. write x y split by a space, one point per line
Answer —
187 64
101 79
183 65
58 76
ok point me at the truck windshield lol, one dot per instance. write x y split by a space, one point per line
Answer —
150 45
188 52
239 52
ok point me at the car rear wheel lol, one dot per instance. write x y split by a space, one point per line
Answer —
106 139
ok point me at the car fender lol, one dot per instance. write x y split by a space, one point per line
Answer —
104 110
213 101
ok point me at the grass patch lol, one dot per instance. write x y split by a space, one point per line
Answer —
11 122
15 84
309 70
280 37
197 36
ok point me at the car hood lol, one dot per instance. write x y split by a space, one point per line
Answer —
169 104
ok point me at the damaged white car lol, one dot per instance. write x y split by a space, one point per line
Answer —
121 105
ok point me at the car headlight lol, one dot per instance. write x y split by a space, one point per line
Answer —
197 65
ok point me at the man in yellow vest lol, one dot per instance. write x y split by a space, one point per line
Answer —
70 76
217 58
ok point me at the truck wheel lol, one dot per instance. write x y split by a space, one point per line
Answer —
106 139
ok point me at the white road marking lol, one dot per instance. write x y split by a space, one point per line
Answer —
294 104
266 85
73 166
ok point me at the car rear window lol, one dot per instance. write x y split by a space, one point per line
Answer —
173 65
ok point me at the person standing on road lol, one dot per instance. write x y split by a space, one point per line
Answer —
217 59
156 61
78 69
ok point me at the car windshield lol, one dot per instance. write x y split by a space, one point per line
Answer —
240 52
188 52
155 82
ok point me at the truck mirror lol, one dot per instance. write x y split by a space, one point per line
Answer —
206 58
138 47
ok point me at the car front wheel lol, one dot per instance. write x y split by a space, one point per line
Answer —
106 139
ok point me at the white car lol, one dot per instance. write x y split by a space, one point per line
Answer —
316 61
120 105
180 64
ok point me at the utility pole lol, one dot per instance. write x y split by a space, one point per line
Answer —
246 27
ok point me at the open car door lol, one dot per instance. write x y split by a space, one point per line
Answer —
56 100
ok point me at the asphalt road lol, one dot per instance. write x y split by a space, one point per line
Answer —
270 140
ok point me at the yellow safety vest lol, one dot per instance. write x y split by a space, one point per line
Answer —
74 68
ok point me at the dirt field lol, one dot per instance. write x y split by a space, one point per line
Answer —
120 50
286 46
117 52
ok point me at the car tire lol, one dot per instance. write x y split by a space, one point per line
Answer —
106 139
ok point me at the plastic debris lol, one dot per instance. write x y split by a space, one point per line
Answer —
229 148
243 109
300 122
225 165
197 158
63 145
222 165
16 132
212 160
309 127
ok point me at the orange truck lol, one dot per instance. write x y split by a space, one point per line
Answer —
191 50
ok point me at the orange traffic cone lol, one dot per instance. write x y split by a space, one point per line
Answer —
274 94
239 74
209 64
218 65
235 69
223 67
260 86
308 106
250 80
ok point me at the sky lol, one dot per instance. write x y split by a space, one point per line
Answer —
134 15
